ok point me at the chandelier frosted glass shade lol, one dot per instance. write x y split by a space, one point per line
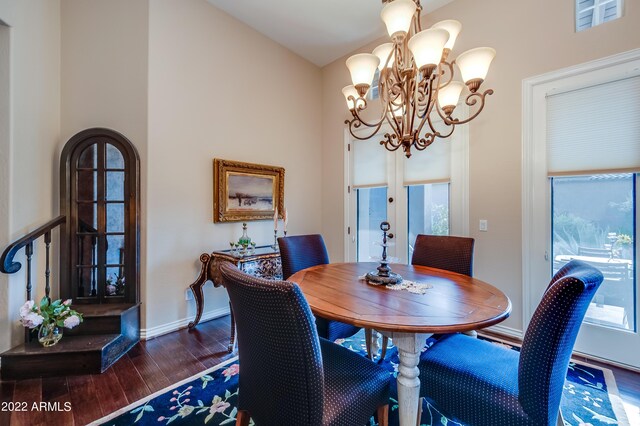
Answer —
453 27
397 16
427 47
362 68
474 63
419 85
382 52
449 96
351 91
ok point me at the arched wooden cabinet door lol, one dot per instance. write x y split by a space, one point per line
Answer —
100 241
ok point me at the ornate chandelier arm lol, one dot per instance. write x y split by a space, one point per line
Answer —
389 144
471 100
357 116
422 143
354 125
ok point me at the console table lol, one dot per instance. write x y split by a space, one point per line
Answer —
264 262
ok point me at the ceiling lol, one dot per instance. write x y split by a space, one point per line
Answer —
320 31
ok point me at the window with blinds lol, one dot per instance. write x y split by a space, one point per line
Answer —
594 129
590 13
593 156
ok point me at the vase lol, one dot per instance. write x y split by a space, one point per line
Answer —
49 334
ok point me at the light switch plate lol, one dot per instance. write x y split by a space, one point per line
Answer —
484 225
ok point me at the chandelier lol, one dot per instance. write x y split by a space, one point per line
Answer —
416 81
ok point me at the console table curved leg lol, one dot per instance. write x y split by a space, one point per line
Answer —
196 288
409 347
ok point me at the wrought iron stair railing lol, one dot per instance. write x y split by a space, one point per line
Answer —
9 266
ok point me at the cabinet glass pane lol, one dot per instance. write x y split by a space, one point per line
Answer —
87 217
115 186
114 158
86 281
88 158
115 249
115 217
87 183
114 285
87 247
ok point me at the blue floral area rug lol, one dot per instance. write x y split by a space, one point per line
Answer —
590 397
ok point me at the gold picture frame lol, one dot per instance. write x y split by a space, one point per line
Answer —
246 191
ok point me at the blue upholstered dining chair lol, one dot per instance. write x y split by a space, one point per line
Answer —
480 383
446 252
289 376
299 252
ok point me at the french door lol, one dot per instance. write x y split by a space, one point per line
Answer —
424 194
581 177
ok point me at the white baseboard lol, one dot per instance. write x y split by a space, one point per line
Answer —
506 331
159 330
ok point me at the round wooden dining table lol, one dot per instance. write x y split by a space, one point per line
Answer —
451 303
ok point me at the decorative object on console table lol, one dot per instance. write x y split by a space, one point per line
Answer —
246 191
383 275
264 262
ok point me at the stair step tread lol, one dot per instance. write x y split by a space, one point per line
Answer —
106 309
68 344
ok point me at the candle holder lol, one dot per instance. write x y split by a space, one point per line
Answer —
275 246
383 274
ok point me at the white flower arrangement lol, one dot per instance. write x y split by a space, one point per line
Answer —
48 312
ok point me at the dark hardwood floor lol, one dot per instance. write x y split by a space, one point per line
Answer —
150 366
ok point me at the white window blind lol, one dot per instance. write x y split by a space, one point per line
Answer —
590 13
369 163
594 129
429 166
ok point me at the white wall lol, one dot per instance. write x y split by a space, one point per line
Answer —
531 38
217 88
105 76
33 126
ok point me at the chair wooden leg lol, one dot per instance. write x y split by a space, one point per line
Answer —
368 334
242 418
420 404
383 415
383 352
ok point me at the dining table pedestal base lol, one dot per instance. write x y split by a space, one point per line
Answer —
409 348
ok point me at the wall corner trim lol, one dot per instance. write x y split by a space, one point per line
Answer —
159 330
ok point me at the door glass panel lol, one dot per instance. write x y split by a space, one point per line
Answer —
114 158
428 211
115 217
87 182
115 186
88 158
594 221
371 211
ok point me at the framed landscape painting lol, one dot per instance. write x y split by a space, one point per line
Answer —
246 191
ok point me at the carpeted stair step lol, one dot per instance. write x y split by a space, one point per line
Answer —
71 355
